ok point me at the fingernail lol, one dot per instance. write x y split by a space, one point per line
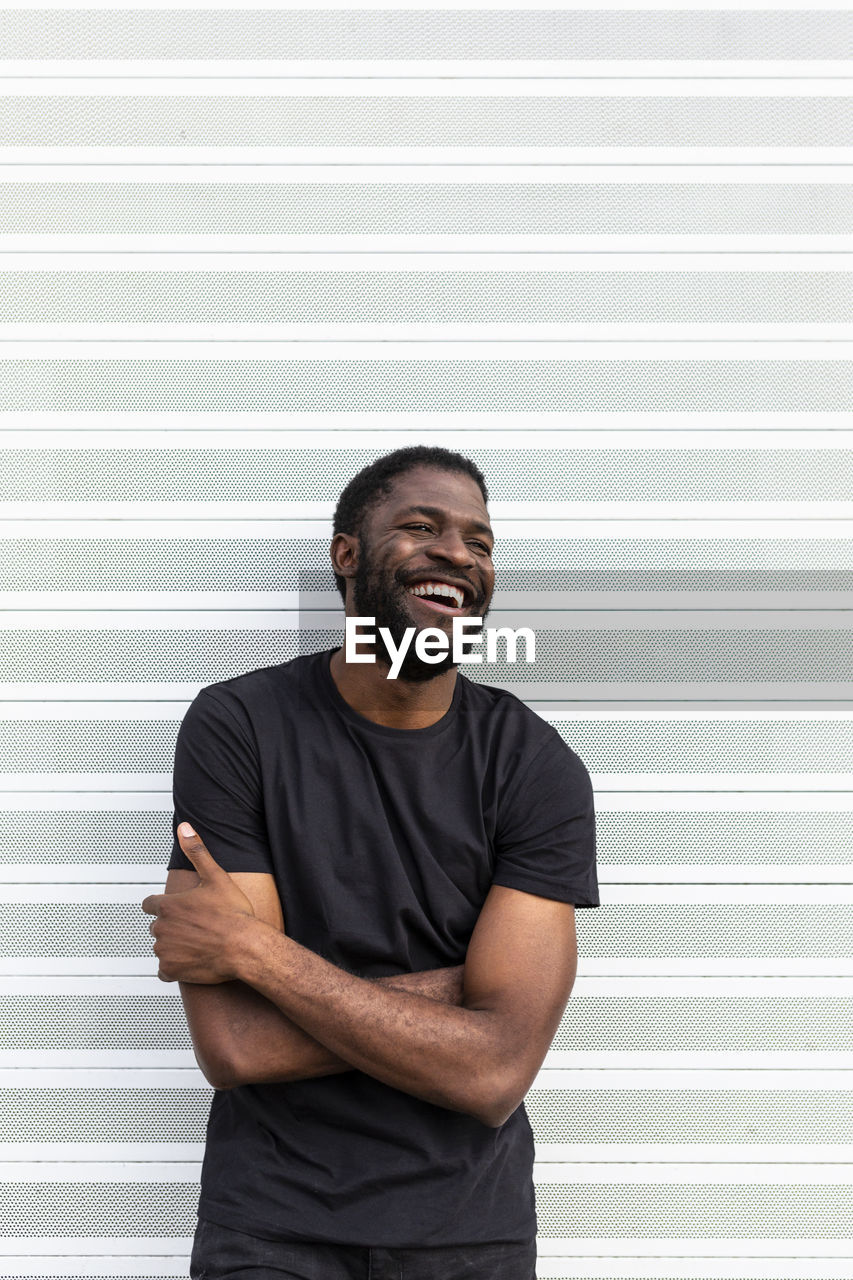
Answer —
186 829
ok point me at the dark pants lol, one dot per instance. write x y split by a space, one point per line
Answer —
219 1253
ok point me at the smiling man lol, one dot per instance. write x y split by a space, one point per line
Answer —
370 910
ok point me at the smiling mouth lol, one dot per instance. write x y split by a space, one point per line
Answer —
439 606
439 597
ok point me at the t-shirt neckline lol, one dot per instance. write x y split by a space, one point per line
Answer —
383 730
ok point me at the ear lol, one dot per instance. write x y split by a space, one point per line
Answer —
344 551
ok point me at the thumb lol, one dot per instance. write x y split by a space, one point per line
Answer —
194 848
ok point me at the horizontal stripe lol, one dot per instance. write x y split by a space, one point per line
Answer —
662 785
807 1074
794 658
663 926
625 1258
628 746
597 1210
433 385
609 1266
295 349
714 1152
741 512
509 620
660 720
667 165
826 341
428 253
539 533
76 1175
603 1209
816 969
364 432
564 476
481 209
686 828
238 555
417 121
764 697
816 1071
426 297
731 1156
63 1020
587 987
304 34
707 873
813 591
128 69
165 711
62 429
316 83
637 895
407 161
406 5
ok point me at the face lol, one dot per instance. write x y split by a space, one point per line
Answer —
432 528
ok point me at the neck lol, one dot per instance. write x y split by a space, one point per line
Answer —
397 704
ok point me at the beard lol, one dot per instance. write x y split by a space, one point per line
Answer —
384 597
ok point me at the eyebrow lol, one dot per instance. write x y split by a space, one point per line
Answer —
435 513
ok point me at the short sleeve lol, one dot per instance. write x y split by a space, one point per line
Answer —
545 836
217 786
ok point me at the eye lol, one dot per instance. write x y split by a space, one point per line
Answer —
483 547
419 526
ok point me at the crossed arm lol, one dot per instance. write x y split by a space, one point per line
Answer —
261 1007
241 1037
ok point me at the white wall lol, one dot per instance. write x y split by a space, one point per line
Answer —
603 253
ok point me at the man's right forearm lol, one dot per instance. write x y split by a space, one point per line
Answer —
240 1037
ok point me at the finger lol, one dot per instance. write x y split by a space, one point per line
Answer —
198 854
151 904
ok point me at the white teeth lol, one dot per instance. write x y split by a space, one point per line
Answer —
438 589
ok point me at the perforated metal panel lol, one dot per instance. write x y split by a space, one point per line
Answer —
685 168
354 34
635 746
426 297
537 475
655 1024
662 836
687 1116
138 836
327 121
663 929
772 657
535 564
672 1210
168 1209
617 1116
447 208
429 386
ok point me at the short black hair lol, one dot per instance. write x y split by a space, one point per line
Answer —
376 480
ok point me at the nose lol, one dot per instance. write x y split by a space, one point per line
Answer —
452 547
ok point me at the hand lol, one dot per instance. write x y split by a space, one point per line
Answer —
196 931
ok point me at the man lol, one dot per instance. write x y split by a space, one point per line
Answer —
374 986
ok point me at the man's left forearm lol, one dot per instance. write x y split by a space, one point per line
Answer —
240 1037
444 1054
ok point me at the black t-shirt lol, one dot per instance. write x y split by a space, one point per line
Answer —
384 843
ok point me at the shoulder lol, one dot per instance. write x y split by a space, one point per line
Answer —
516 729
250 694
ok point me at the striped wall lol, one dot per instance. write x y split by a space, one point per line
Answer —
604 252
